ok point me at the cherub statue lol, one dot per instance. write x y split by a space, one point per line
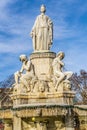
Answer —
58 72
26 74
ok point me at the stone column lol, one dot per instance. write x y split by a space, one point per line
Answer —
17 123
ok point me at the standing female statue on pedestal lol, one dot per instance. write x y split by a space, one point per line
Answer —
42 31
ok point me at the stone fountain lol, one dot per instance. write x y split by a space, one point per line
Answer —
42 89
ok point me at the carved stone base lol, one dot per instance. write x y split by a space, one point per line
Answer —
52 98
42 62
19 99
63 98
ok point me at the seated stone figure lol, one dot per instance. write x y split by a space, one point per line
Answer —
59 74
26 74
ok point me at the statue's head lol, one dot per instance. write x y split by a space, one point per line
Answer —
58 124
42 9
60 55
23 58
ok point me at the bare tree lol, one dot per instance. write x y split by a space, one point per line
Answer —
79 84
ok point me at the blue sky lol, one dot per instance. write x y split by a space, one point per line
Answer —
70 31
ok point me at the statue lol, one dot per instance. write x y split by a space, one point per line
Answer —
41 125
26 73
58 70
59 125
42 31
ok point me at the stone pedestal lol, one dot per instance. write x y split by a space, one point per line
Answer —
42 62
46 98
19 99
63 98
